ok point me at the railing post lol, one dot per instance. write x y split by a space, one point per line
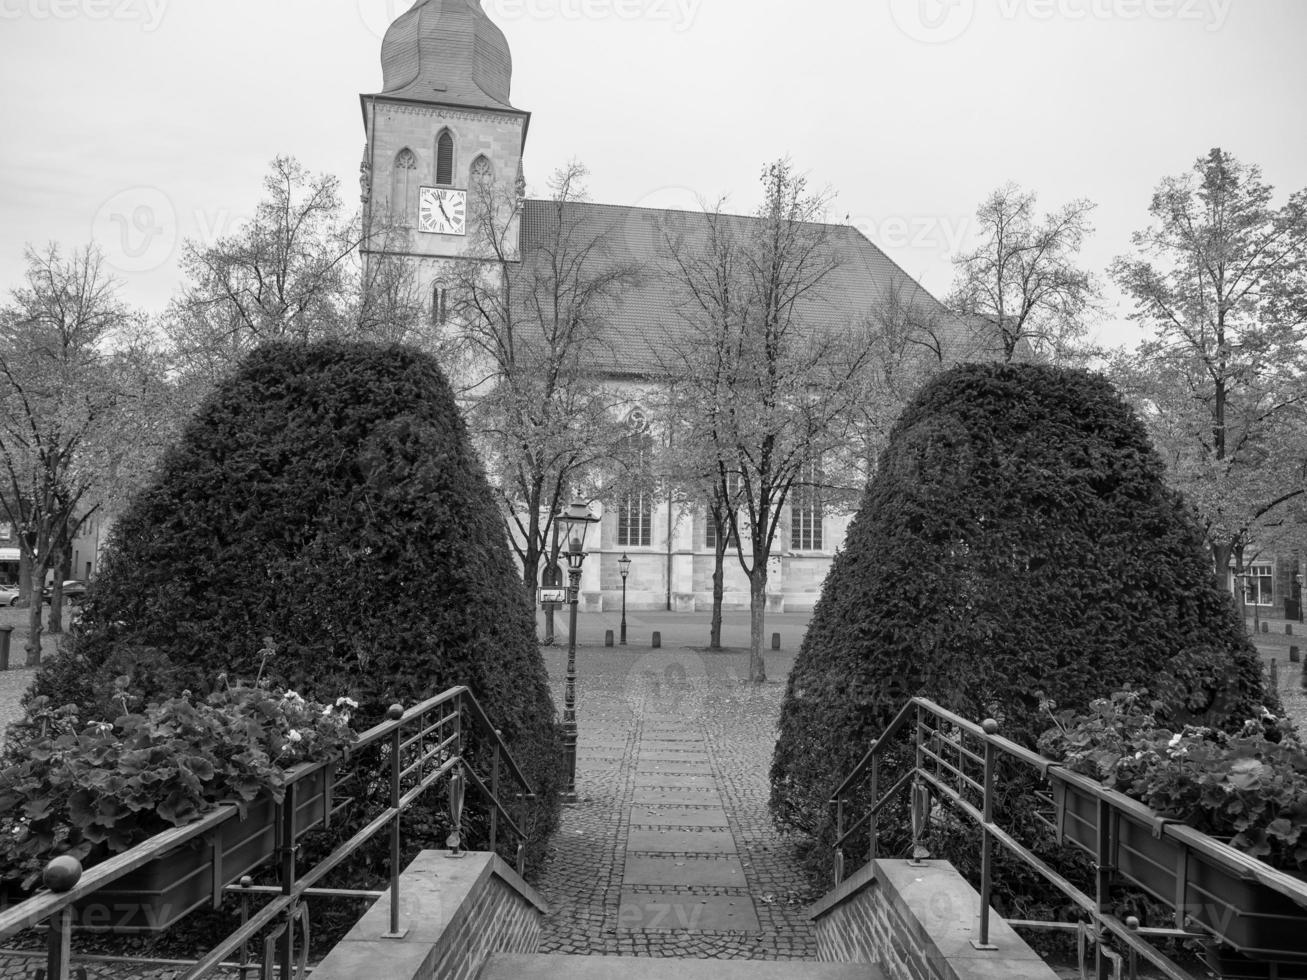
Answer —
395 712
494 794
839 840
873 822
1102 885
1132 923
245 967
58 946
287 946
920 804
990 727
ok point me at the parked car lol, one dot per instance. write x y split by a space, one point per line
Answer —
74 591
8 595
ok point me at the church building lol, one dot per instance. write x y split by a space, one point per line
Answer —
442 121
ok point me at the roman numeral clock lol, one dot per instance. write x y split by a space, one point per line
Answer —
442 211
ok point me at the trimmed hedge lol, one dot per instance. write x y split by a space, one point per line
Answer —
326 496
1018 541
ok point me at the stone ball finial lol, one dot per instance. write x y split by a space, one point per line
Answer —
989 726
395 712
62 873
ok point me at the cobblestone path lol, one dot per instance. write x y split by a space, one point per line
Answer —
669 850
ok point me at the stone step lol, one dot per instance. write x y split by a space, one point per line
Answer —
502 966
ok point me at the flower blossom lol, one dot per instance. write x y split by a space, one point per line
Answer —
293 736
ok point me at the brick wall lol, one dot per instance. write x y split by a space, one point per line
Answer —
456 913
500 921
916 922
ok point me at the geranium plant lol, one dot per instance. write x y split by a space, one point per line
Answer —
1249 787
90 788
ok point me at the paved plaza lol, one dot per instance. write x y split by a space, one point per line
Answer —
669 850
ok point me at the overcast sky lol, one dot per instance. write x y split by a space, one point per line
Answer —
139 123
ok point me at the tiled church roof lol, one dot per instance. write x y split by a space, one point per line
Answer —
647 326
447 51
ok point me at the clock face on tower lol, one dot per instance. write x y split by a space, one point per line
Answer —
442 211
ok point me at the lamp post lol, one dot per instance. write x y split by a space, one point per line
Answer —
624 563
575 521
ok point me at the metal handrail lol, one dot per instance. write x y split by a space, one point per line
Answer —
434 752
949 781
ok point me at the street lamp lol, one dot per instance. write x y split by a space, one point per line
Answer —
575 521
624 563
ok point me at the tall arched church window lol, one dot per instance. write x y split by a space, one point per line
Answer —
404 187
635 507
806 510
445 158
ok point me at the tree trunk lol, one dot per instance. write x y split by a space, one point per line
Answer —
757 614
718 588
26 586
55 622
34 625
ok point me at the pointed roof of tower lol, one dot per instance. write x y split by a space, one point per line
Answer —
447 51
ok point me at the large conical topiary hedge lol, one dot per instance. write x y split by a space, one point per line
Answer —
326 496
1018 541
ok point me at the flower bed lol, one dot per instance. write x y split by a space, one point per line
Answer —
1184 790
176 883
94 789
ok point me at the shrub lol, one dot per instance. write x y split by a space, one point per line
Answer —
325 496
1017 542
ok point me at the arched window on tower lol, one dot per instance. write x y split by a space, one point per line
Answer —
404 187
482 172
445 158
439 305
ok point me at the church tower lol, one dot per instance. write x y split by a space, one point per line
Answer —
441 124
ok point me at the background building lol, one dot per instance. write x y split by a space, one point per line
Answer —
444 121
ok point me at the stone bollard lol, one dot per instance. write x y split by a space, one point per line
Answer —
1288 629
1266 627
775 641
5 631
608 638
1294 655
1275 674
657 640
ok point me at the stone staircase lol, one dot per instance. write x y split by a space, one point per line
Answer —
545 966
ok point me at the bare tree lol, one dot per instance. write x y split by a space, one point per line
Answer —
59 389
1023 281
910 337
764 383
527 326
1221 277
294 271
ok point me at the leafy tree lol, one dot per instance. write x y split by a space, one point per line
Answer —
525 326
325 496
1221 277
61 387
1022 279
766 386
1018 542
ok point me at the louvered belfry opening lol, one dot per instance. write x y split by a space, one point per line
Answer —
445 159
